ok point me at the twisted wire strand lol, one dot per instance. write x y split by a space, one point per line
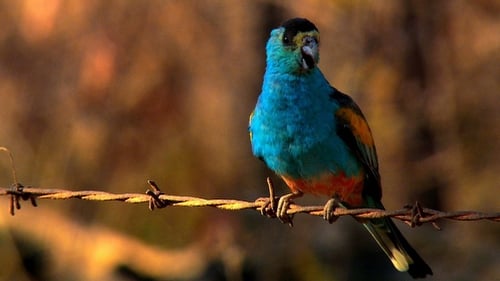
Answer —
413 215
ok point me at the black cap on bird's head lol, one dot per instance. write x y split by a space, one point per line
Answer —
301 34
295 25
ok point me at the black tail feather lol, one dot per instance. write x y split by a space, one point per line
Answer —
397 248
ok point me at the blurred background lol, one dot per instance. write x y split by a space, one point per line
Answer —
103 95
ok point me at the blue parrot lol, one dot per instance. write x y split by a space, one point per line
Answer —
318 141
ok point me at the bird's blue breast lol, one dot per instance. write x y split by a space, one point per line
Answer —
293 127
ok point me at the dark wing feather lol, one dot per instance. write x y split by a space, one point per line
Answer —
353 129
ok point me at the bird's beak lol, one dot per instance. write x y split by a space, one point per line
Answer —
309 51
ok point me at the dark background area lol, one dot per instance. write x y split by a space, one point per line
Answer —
103 95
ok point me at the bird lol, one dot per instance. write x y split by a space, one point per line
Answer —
317 140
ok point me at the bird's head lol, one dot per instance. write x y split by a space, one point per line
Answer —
294 46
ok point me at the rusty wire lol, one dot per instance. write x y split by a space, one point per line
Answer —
412 215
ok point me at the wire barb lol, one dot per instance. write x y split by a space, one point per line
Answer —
16 194
155 201
269 204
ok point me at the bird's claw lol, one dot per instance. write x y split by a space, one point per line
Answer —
329 210
277 208
283 206
281 211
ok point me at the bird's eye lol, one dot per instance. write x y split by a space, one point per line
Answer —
286 40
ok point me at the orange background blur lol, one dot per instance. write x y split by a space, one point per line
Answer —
103 95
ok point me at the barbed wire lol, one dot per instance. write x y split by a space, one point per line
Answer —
412 215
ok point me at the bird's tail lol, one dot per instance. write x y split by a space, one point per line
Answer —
399 251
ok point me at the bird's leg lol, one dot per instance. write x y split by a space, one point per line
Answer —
329 209
283 204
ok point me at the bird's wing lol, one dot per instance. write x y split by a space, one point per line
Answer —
353 129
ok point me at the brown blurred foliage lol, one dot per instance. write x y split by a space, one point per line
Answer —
106 94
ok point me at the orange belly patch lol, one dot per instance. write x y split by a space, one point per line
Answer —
347 189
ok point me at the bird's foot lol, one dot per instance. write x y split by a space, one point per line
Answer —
329 210
283 206
274 207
